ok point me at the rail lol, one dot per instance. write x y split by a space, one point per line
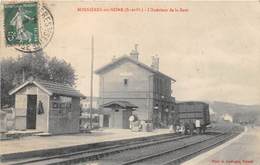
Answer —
99 152
167 151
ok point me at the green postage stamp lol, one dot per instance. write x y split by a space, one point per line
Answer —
28 26
21 23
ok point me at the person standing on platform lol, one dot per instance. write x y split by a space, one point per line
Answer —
191 127
131 120
186 128
197 125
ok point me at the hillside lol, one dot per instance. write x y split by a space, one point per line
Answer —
232 108
240 113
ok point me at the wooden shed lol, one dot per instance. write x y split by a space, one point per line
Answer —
120 113
46 106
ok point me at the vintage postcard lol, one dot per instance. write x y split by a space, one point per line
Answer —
130 82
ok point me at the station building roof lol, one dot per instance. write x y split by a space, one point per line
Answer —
114 63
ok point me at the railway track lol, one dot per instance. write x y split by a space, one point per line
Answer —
92 153
160 151
126 155
180 154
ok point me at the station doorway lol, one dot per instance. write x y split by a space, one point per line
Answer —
106 121
31 111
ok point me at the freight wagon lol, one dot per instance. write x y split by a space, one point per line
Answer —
193 115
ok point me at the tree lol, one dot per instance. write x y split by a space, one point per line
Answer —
38 65
7 74
60 71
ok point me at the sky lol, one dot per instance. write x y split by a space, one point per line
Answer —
212 49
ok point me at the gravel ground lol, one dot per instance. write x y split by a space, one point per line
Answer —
116 159
137 153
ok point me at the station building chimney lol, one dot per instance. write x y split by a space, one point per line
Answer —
155 62
134 53
114 58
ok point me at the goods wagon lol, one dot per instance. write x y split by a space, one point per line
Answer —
193 114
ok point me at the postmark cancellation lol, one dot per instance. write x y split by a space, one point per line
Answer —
28 26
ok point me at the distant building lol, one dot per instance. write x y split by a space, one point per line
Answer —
126 81
214 116
85 113
46 106
85 104
227 117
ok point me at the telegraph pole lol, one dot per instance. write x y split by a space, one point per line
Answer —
91 80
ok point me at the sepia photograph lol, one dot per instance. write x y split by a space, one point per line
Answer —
130 82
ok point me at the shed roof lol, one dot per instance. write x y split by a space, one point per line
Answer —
127 58
121 104
50 88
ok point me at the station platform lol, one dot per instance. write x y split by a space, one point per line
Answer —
242 150
19 134
38 143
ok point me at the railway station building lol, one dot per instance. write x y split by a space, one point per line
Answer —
47 107
127 81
